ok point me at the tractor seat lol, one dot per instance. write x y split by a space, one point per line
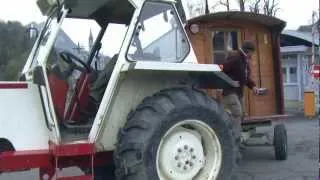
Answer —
100 84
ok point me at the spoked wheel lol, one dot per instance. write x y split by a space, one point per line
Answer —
190 149
176 134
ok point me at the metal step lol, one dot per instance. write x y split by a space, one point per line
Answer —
78 128
76 149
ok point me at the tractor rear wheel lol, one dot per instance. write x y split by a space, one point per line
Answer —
176 134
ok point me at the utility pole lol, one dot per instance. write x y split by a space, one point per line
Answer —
319 34
318 62
313 32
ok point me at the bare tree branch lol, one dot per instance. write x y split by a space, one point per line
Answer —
255 6
267 7
207 7
241 4
225 3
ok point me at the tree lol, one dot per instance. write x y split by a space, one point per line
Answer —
207 7
195 9
268 7
241 4
255 6
225 3
14 49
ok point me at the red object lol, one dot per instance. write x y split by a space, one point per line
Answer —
13 85
81 155
80 101
21 160
316 71
85 177
59 89
72 149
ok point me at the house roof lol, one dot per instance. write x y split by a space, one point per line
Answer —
307 28
294 49
265 20
298 38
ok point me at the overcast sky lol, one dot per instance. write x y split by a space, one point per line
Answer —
294 12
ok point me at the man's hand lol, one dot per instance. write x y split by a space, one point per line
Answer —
255 90
260 91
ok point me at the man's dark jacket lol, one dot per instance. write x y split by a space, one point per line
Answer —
238 69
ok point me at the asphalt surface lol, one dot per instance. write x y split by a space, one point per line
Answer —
259 162
303 153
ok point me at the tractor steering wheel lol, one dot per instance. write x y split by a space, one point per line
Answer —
74 61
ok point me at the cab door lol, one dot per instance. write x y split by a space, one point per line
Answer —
35 70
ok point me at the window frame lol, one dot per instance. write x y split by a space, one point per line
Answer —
179 23
225 36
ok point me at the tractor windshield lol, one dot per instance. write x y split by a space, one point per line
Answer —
38 49
75 36
158 35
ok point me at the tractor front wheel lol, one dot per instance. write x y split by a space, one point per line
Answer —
176 134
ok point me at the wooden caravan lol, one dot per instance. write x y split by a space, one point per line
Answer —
213 36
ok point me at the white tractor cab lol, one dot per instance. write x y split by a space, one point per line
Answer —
141 117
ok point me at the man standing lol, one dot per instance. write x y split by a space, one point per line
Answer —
238 69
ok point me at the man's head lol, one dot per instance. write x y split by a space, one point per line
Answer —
248 48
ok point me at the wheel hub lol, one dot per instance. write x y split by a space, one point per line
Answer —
182 155
185 158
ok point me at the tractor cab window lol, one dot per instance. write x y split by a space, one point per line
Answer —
158 35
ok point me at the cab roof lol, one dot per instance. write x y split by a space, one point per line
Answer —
114 11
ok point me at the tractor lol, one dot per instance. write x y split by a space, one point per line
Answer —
144 116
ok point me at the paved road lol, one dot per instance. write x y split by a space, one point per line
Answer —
259 163
302 163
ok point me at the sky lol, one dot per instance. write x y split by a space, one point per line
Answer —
294 12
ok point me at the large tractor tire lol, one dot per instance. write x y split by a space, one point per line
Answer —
176 134
5 146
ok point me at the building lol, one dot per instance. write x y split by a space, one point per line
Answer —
298 48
